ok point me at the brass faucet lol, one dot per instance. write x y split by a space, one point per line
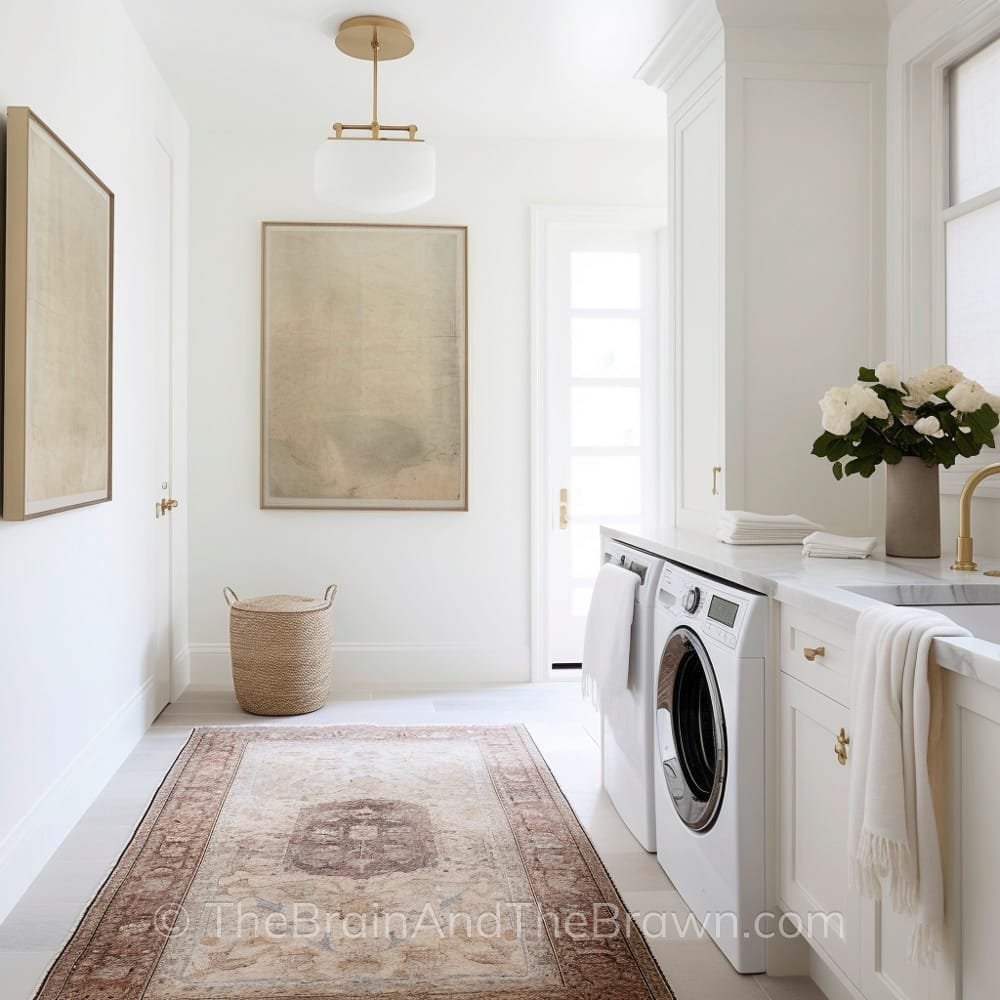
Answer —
963 555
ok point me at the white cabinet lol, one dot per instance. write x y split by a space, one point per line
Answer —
863 942
776 283
697 316
813 825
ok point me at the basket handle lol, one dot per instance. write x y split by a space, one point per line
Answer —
230 595
331 593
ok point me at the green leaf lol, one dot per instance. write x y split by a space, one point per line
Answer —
866 375
838 471
892 454
822 444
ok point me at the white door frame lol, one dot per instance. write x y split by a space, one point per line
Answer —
543 217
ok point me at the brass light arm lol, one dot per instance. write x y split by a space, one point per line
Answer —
963 546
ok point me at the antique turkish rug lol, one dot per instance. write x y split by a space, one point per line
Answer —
353 863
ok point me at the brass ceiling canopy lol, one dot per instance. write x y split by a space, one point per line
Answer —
371 166
355 37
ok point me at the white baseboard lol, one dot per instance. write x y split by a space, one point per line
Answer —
180 673
390 665
35 838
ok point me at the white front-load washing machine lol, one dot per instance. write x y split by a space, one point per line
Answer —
710 638
627 709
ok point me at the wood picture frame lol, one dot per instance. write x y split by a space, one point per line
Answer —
364 367
58 317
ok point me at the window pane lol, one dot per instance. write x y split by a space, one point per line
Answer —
605 280
974 87
605 418
973 316
605 485
605 348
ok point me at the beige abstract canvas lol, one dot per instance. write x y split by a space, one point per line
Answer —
364 366
57 419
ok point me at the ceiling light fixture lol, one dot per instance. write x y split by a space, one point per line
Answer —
374 172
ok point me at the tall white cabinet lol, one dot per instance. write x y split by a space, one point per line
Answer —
776 249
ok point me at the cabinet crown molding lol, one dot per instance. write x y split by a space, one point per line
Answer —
703 21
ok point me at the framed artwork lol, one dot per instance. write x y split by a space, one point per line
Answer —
57 326
363 367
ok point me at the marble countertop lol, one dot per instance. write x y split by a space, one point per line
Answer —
816 585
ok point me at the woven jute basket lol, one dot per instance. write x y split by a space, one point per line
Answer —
282 652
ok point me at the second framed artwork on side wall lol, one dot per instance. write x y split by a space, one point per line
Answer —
57 326
364 371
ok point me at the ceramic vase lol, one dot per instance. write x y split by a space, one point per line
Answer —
912 510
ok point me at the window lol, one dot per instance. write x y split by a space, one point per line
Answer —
971 219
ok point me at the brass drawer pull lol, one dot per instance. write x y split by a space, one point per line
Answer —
840 747
811 654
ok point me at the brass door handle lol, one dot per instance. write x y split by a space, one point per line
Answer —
167 505
716 469
563 509
811 654
840 747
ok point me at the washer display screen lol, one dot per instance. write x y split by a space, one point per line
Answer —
723 611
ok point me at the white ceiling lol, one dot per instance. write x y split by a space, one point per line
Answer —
479 67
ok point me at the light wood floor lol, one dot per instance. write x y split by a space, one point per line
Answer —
39 925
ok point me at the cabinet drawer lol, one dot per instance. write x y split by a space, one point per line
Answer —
816 653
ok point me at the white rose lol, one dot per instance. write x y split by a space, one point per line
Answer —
967 396
994 402
934 379
868 402
888 375
840 409
929 426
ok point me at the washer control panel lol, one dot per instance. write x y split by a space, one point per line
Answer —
718 610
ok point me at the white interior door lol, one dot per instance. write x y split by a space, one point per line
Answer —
159 308
600 447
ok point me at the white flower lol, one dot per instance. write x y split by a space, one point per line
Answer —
868 402
994 402
934 379
929 426
967 396
840 409
888 375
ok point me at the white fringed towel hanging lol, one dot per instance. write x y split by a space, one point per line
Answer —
892 830
608 636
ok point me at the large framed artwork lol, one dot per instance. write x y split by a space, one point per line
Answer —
57 326
364 373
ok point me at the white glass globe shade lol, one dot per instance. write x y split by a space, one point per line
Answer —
375 175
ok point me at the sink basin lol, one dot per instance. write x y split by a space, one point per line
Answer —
922 595
975 606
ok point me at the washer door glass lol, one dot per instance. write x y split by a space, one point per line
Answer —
691 730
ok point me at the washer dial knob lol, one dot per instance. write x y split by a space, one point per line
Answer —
692 600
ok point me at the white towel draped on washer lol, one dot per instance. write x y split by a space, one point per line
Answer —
607 639
892 830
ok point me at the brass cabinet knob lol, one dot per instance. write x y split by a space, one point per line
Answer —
811 654
168 505
840 747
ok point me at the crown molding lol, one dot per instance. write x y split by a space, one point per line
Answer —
703 21
687 38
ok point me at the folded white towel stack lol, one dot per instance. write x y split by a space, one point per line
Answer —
822 545
608 636
892 830
742 527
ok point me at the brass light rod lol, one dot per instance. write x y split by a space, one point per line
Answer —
340 127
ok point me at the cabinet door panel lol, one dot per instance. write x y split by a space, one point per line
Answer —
814 801
697 319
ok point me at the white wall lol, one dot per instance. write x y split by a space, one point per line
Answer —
77 615
424 597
